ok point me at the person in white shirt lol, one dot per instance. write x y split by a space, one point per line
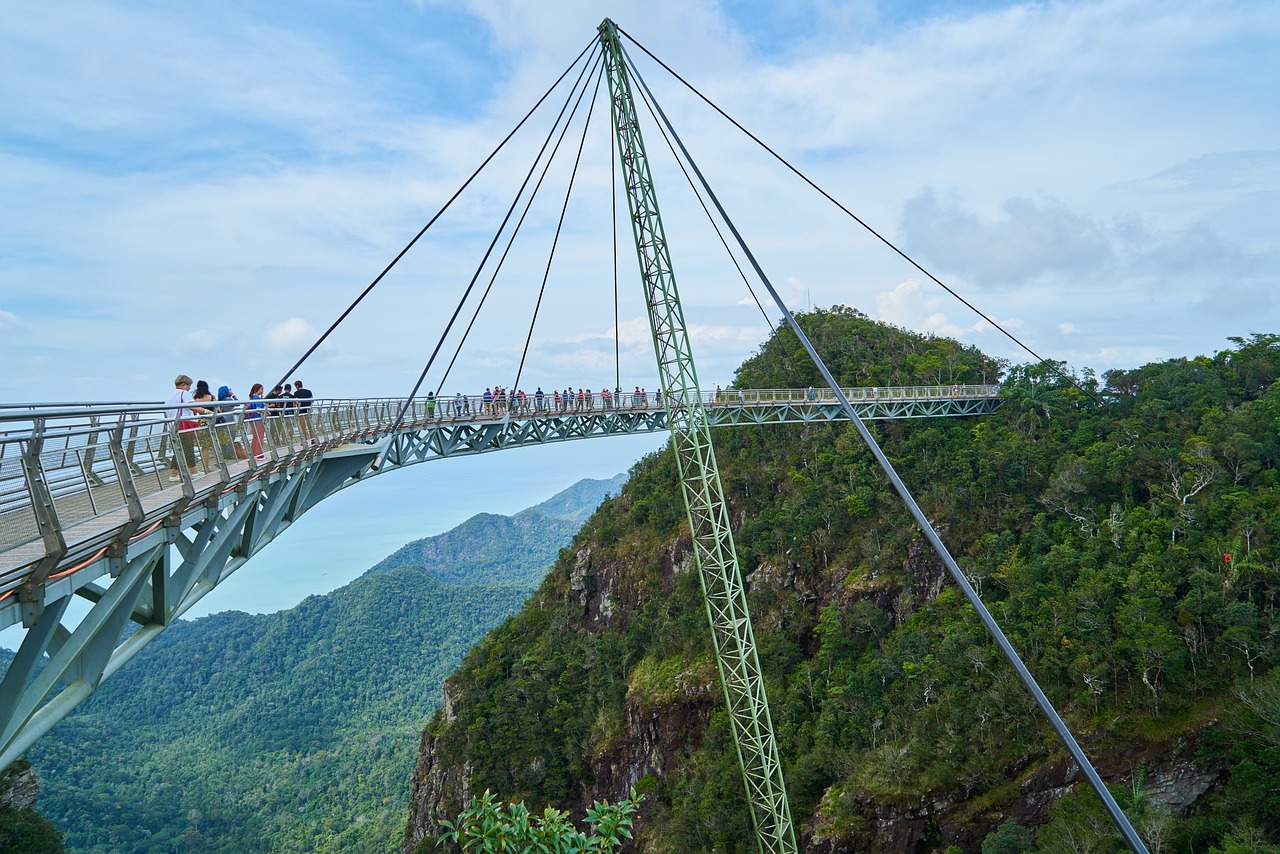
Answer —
186 418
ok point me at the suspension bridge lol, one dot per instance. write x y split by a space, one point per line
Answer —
88 509
138 514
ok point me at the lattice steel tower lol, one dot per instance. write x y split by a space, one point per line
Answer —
714 554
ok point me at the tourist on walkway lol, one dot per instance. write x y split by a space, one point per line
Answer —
186 418
253 414
225 421
204 424
304 397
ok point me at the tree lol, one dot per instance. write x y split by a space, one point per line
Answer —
1009 838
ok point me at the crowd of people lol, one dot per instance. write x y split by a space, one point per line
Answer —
283 415
499 400
273 416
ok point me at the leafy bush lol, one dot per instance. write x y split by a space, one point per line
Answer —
489 826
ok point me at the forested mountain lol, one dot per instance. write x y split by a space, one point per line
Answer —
502 549
1125 533
292 731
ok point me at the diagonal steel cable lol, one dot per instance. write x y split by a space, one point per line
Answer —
993 628
510 242
433 219
489 251
586 126
1053 366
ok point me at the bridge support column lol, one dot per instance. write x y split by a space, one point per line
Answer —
724 592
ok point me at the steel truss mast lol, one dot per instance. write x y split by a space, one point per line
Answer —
723 591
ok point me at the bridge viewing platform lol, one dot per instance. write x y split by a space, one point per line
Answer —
92 506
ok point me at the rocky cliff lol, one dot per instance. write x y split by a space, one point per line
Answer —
661 726
22 829
900 726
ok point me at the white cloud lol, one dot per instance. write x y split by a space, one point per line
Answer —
199 340
10 323
924 308
294 335
1029 240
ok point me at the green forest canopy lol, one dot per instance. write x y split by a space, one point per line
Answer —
1123 531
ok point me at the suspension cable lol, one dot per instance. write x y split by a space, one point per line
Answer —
926 527
433 219
510 242
586 126
471 285
710 218
1042 360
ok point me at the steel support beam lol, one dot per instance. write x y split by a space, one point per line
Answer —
724 592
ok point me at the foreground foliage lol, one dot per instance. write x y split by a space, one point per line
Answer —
488 826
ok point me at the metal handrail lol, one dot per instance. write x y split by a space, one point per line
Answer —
473 402
94 456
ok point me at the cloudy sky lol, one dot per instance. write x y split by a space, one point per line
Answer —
203 187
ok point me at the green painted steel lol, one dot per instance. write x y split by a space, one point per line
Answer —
714 553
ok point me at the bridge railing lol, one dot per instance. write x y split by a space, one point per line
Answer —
66 464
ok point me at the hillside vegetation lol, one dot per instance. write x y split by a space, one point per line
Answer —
292 731
1126 537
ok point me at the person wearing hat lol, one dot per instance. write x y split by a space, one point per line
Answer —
186 418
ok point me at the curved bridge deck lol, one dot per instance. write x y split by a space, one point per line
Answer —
76 470
91 507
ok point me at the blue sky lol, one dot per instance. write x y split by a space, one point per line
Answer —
204 187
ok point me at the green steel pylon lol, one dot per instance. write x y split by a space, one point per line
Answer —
714 554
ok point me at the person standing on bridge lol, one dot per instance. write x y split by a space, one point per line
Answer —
274 432
204 424
539 399
253 415
287 409
186 418
304 397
